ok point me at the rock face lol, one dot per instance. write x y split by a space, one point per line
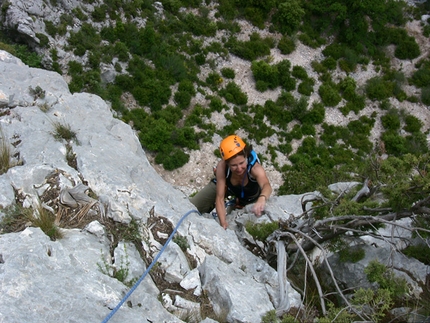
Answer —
70 279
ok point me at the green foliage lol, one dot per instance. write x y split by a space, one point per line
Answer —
351 254
379 273
421 77
173 159
299 72
233 93
182 242
286 81
407 48
214 79
374 303
329 63
266 73
391 120
329 94
306 87
419 252
228 72
378 89
250 50
289 15
286 45
199 26
425 95
87 38
260 231
37 92
43 40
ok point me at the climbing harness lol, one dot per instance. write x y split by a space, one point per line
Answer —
149 268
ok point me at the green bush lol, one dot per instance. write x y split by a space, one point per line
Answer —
329 63
299 72
407 49
199 26
306 87
216 104
378 89
395 144
420 252
214 79
412 124
347 86
228 72
99 13
379 273
315 115
266 73
421 77
329 94
50 28
251 50
425 95
286 81
261 231
286 45
232 93
172 160
351 254
391 121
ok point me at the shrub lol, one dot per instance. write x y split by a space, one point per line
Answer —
407 49
351 254
232 93
378 89
391 121
251 50
394 143
99 13
299 72
379 273
425 95
347 86
329 94
214 79
43 39
329 63
266 73
50 28
172 160
420 252
315 115
228 72
306 87
287 82
261 231
286 45
412 124
421 77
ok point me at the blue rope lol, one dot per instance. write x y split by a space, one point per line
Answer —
148 269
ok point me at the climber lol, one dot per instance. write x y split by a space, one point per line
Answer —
238 174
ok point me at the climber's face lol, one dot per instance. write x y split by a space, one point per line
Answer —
238 164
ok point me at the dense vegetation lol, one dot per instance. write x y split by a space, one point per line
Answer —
160 64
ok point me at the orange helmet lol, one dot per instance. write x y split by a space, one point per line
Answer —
231 146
